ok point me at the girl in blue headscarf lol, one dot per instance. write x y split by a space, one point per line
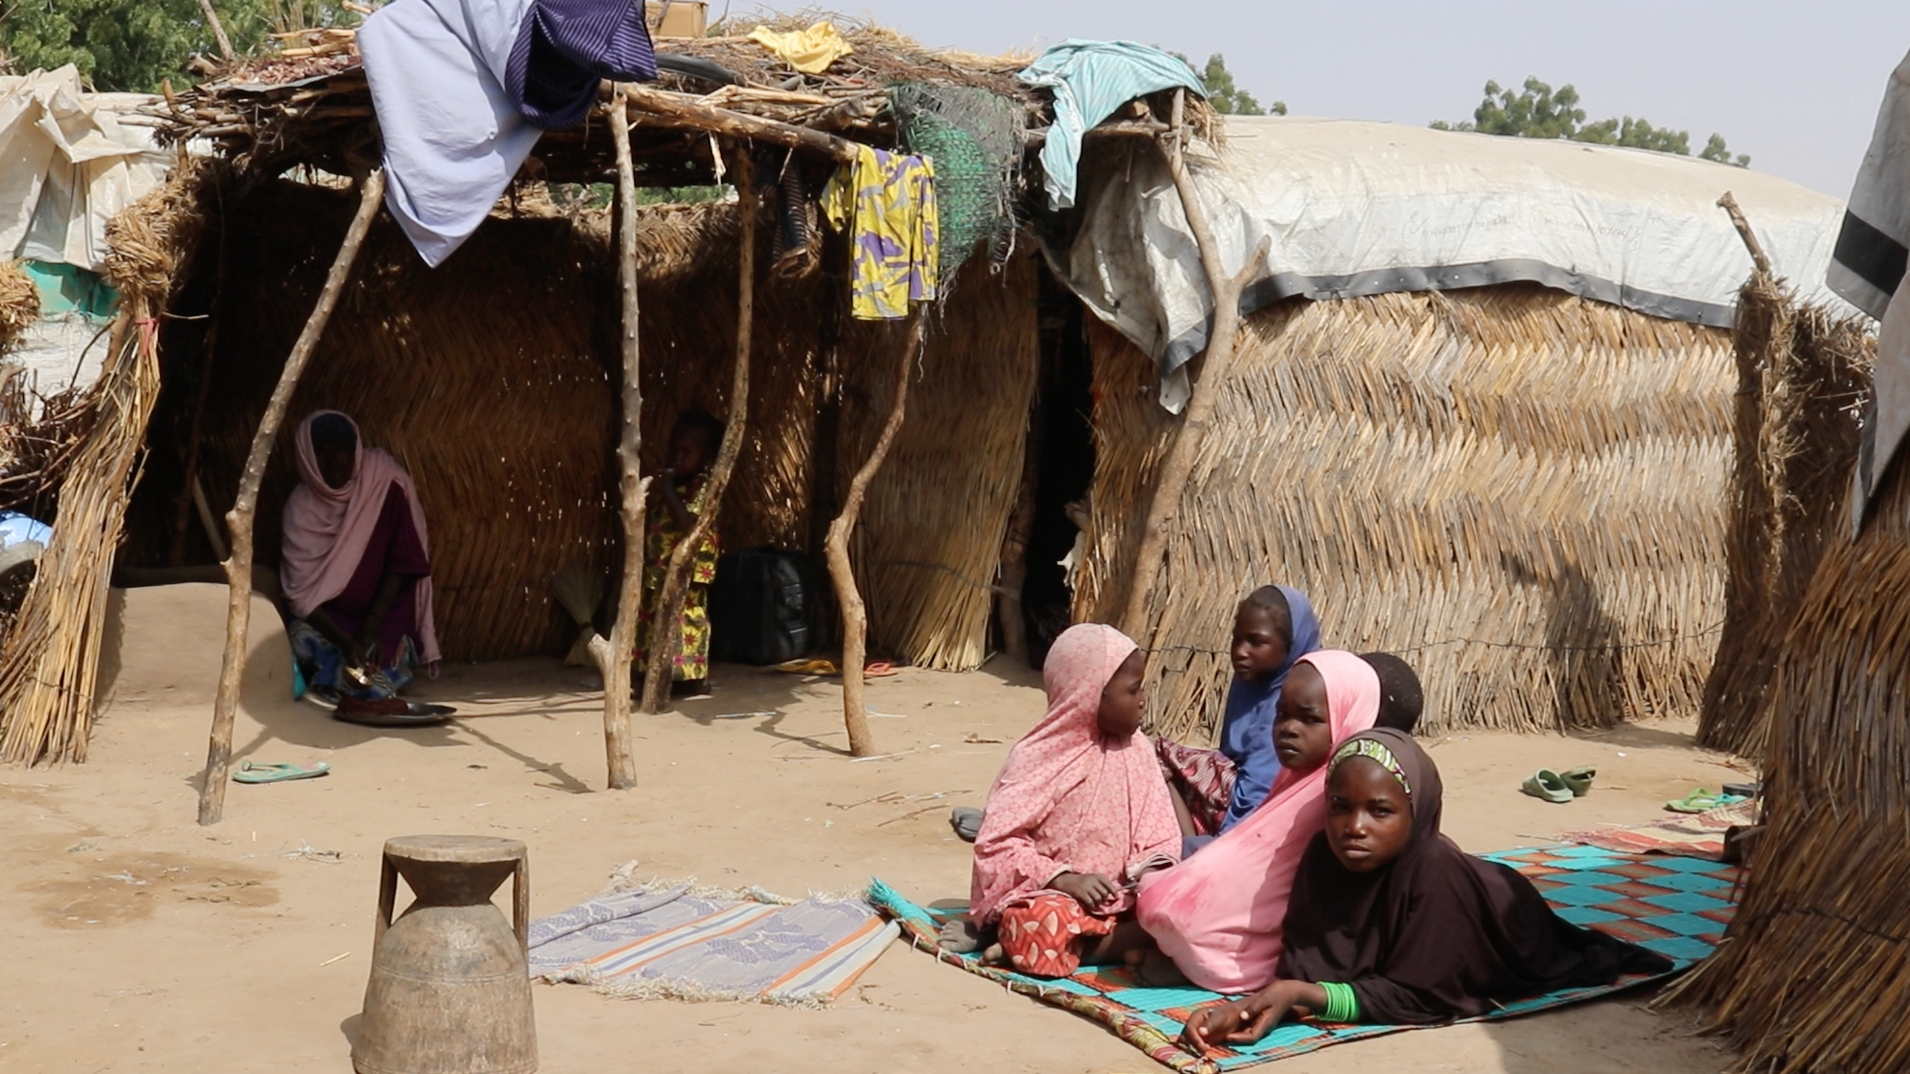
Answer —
1214 789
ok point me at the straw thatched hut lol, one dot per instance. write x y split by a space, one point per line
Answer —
1514 469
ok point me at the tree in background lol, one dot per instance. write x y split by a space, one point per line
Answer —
1223 94
1538 111
134 44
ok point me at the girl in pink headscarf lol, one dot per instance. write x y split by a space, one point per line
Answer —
1217 915
1079 814
355 567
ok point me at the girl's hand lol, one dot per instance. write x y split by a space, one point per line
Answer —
1091 890
1243 1021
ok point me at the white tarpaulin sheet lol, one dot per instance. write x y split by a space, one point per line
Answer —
1353 208
67 164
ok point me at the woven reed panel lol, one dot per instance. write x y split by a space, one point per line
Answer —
1520 492
930 543
1803 374
1804 979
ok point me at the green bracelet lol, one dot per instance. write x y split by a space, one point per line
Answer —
1342 1004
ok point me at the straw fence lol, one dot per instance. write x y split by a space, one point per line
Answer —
1520 492
1804 978
1802 375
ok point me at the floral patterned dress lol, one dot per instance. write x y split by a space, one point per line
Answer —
660 538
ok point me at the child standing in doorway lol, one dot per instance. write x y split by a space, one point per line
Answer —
677 499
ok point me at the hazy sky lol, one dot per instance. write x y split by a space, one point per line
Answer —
1794 85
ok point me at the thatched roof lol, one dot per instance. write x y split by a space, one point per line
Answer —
275 113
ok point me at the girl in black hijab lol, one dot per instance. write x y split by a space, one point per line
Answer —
1391 923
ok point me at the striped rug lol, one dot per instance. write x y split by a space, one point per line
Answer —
677 941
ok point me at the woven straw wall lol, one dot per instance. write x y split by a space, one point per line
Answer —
493 379
930 543
1520 492
1805 977
1802 375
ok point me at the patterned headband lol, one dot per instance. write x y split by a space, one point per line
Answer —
1373 750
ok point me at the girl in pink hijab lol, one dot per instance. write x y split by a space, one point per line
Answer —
1218 914
1079 814
355 566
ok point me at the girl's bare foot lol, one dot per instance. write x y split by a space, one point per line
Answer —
960 936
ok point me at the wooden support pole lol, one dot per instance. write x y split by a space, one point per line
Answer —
855 616
613 656
689 112
666 634
1758 260
238 567
218 31
1179 463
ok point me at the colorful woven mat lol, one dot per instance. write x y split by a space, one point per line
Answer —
1676 906
1695 835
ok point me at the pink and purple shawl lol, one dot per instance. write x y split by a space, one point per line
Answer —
1218 914
1069 799
326 529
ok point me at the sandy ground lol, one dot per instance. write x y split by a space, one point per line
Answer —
141 941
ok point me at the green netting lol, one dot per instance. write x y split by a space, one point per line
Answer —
974 137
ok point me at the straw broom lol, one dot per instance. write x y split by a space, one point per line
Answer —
579 587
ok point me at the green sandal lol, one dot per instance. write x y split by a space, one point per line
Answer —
1548 785
257 772
1701 801
1579 780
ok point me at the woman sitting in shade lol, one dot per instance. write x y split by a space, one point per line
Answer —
1391 923
355 567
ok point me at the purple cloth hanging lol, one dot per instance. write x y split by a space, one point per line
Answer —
563 50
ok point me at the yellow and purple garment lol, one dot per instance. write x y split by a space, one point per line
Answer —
887 201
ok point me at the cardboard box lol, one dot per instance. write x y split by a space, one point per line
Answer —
676 18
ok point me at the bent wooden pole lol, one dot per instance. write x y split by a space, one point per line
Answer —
855 616
1179 464
666 633
238 566
613 656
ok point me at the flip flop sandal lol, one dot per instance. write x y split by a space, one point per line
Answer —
257 772
1548 785
1701 800
1744 790
1579 780
878 669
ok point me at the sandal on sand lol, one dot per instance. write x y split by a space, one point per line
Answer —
878 669
1548 785
256 772
1579 780
1701 800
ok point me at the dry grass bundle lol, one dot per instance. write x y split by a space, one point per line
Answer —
50 663
1520 492
19 303
1802 375
1804 976
37 450
929 546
